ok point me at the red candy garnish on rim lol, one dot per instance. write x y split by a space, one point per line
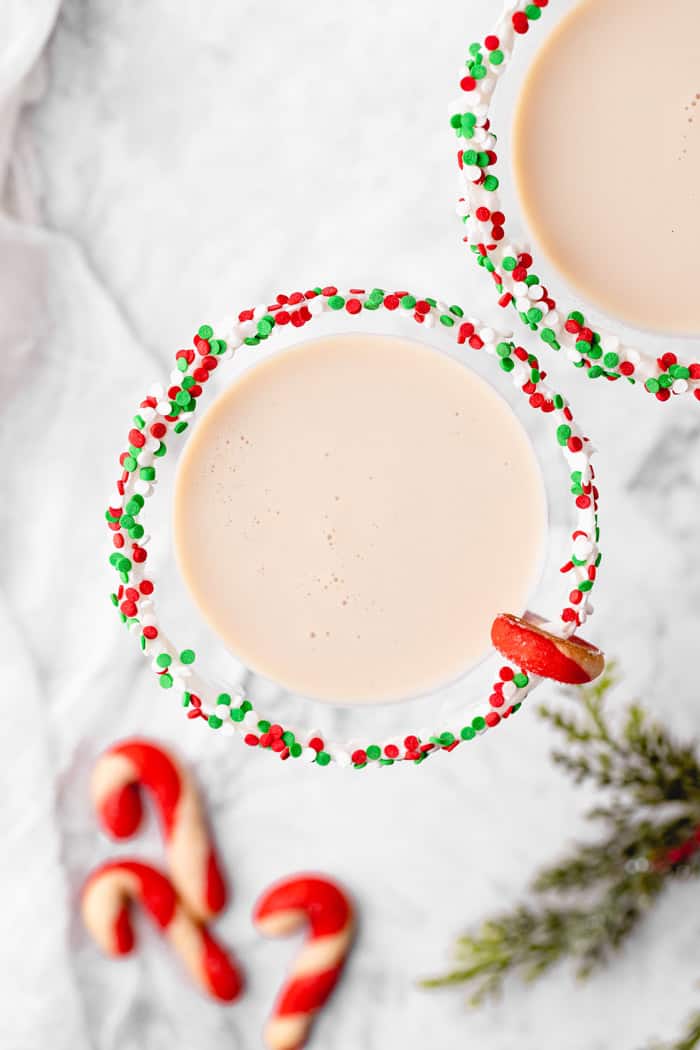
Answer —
572 661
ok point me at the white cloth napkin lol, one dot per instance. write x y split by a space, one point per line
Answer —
40 1003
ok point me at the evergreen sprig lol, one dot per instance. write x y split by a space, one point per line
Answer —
586 905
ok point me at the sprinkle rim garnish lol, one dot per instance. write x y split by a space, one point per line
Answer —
165 413
602 354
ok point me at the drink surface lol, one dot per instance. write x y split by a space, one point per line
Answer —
606 149
351 514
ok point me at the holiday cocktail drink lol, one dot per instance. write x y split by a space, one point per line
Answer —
353 513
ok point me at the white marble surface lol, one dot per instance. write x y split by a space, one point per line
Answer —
185 158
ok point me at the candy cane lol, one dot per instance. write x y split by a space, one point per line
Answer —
106 898
286 907
191 859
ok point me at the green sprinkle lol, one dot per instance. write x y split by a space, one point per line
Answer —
652 386
252 340
509 263
446 739
373 752
586 585
323 758
164 660
446 320
161 450
507 364
470 156
534 315
288 737
478 724
533 12
166 681
408 302
611 360
491 183
520 680
563 433
130 463
496 57
246 706
295 750
205 331
147 473
467 733
336 302
180 426
187 656
215 722
237 715
186 699
594 371
576 316
457 311
182 364
136 532
264 327
264 725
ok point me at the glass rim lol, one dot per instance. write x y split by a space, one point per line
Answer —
165 413
497 234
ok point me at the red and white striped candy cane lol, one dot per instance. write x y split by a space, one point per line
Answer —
193 865
106 898
325 908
